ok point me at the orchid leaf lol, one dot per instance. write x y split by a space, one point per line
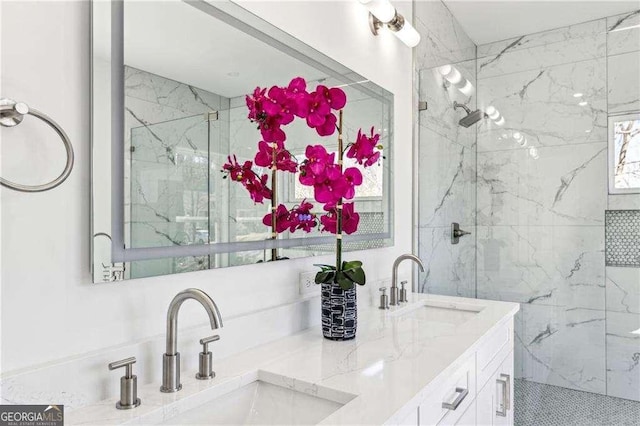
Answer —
324 267
356 275
345 282
325 277
354 264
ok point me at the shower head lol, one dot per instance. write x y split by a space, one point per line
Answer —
471 118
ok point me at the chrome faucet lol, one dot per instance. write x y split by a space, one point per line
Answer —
394 277
171 359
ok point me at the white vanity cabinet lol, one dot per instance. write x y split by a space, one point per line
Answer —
477 391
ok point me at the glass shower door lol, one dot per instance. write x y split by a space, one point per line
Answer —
447 180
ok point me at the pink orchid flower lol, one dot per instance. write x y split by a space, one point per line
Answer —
257 186
270 129
328 127
365 149
335 97
302 218
284 162
353 177
282 219
350 219
332 187
313 168
319 108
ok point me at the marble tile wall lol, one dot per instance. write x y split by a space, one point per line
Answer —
540 221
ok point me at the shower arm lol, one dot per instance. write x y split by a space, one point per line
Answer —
457 105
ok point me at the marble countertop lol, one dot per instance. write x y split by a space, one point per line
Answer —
390 364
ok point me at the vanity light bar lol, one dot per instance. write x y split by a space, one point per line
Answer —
383 14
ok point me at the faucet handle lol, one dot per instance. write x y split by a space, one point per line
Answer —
205 364
127 362
128 384
403 292
384 299
206 340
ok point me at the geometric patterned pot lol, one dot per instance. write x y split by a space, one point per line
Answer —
339 312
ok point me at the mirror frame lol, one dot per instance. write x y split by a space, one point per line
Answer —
108 251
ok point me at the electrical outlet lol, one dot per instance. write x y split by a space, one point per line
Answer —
308 284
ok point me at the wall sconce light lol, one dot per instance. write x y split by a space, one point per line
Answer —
383 14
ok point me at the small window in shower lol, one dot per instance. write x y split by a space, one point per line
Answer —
624 154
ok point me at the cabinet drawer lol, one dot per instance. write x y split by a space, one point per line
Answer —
458 389
493 351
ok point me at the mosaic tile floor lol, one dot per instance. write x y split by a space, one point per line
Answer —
544 405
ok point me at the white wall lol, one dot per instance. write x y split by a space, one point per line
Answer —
50 309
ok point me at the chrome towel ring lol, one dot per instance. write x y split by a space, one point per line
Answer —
11 114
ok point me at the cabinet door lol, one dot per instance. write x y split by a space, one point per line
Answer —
469 416
486 403
410 420
495 399
504 393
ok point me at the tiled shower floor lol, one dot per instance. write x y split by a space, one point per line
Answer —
544 405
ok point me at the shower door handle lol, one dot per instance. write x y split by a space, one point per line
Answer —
456 233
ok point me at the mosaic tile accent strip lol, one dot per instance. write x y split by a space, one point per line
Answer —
537 404
622 238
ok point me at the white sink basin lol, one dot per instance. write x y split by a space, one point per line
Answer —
438 313
259 403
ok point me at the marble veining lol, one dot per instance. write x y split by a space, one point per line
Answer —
566 185
541 105
562 347
623 33
623 290
449 179
583 42
623 355
559 35
623 82
440 116
450 269
559 266
443 39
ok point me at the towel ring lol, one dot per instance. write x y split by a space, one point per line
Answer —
11 114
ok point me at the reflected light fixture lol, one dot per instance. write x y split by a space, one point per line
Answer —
383 14
453 77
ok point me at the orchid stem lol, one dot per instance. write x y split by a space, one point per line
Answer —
274 205
339 204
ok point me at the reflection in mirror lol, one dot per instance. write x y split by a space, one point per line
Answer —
186 72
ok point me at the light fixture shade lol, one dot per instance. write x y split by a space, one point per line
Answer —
408 35
453 76
467 89
381 9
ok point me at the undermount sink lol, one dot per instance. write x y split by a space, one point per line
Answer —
259 403
438 312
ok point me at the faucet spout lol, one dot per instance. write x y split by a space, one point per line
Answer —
394 275
174 307
171 358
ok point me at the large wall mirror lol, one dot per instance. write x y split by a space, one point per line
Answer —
169 80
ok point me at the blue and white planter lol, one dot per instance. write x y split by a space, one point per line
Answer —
339 312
